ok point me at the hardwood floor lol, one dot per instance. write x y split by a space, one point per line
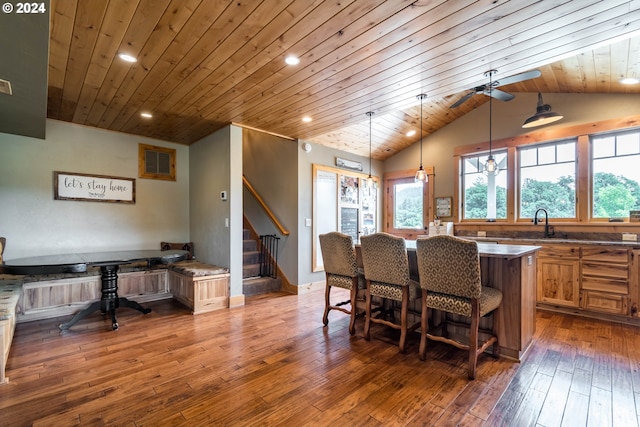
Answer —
272 362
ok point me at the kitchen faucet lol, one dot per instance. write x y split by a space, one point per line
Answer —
548 231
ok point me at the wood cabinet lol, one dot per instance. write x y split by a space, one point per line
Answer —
600 280
558 275
604 279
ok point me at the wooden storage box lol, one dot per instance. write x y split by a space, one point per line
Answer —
201 287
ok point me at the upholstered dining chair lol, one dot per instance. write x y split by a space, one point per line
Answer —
386 272
3 241
449 270
341 270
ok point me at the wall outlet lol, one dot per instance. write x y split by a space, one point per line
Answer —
482 234
629 237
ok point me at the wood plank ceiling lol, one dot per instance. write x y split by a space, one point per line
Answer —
203 64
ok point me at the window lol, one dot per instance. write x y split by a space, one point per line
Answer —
156 162
407 206
484 196
548 179
616 174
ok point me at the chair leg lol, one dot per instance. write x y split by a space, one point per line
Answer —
354 293
424 325
473 338
496 345
367 321
327 304
403 318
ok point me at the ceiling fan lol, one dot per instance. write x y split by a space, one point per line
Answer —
490 89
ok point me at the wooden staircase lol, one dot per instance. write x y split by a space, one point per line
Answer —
252 283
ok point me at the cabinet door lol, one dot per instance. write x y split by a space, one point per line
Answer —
558 281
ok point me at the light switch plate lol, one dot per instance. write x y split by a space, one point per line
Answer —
482 234
629 237
307 222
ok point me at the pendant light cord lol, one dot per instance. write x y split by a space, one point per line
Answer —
421 98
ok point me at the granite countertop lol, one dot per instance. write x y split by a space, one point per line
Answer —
551 240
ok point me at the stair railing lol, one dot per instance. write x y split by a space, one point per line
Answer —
269 255
264 206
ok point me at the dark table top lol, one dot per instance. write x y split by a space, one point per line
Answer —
493 250
78 263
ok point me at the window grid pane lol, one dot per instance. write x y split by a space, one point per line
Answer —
548 183
484 197
616 176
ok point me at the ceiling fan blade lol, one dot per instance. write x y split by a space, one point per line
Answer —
499 94
463 99
517 78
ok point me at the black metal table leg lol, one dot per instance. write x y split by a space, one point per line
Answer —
109 300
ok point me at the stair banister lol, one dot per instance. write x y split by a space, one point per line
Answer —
264 206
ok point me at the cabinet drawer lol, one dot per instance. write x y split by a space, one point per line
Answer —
605 254
605 285
559 251
605 303
609 271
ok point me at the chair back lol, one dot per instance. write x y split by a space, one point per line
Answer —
384 257
449 265
3 240
338 254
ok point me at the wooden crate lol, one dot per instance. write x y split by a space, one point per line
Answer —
193 285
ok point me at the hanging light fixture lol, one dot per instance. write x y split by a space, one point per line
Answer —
370 178
421 174
543 115
491 166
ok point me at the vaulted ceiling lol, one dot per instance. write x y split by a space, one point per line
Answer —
203 64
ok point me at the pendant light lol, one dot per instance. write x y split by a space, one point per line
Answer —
370 178
543 115
491 166
421 174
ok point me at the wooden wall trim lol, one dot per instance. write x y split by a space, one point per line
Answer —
551 135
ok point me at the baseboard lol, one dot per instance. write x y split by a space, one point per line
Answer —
236 301
310 287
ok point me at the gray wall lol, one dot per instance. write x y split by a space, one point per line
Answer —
36 224
269 164
216 225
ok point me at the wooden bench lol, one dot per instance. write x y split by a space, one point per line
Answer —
201 287
10 292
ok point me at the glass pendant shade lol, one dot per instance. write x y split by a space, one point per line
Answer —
421 175
491 166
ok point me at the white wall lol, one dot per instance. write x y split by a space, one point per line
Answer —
36 224
507 122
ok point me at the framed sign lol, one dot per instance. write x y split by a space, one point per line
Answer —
443 206
93 188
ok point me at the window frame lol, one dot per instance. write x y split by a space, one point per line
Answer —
518 182
461 175
584 179
393 178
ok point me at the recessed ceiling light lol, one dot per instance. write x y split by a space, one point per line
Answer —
292 60
128 58
306 119
146 115
629 81
411 133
